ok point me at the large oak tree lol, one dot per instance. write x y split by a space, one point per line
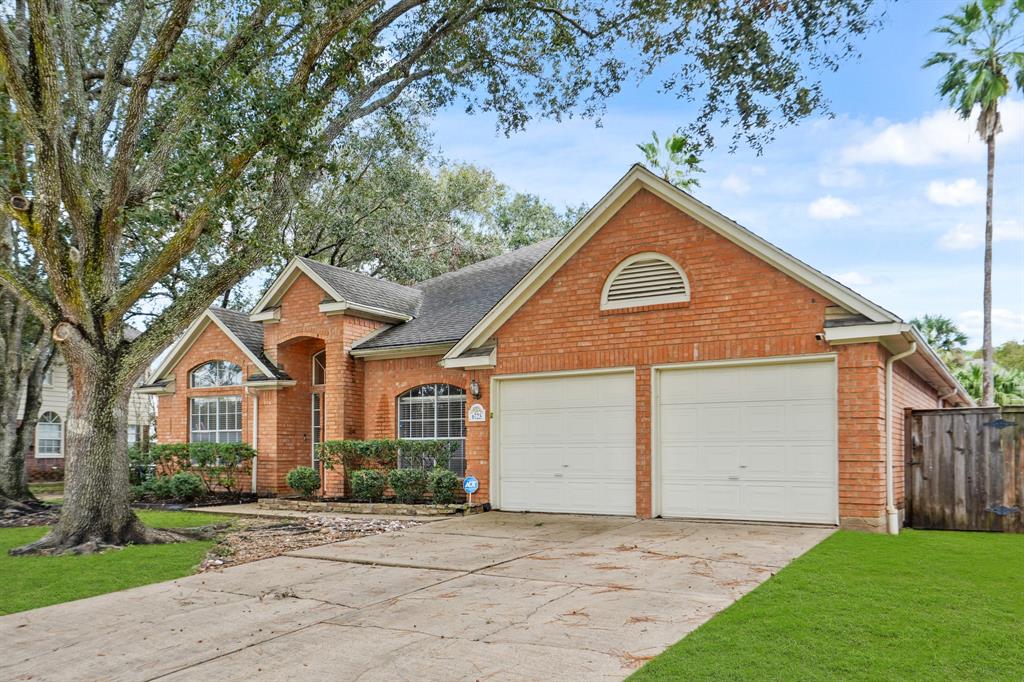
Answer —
180 121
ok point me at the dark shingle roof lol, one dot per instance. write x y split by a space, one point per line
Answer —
250 334
453 303
368 291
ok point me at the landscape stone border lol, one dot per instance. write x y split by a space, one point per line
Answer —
386 508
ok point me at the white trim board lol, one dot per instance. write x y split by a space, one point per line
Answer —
639 178
190 336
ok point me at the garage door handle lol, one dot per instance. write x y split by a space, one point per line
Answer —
734 478
558 475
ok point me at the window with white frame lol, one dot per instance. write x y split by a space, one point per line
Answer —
435 411
48 376
216 419
49 435
319 368
318 427
216 373
133 434
645 279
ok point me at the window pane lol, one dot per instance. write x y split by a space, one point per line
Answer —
434 411
216 373
216 420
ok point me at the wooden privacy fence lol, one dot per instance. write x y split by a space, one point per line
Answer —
965 468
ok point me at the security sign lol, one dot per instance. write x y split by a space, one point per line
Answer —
470 484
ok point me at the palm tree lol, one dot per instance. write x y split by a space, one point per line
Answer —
941 333
677 159
984 51
1008 384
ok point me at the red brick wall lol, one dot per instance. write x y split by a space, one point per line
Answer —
908 391
740 307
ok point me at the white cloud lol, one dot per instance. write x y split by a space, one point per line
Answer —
735 184
972 235
938 137
855 279
1006 323
962 192
831 208
838 176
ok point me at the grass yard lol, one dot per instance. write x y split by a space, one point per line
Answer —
31 582
923 605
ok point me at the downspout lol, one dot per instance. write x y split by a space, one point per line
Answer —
943 398
255 435
892 515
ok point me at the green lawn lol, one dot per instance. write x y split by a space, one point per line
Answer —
31 582
925 605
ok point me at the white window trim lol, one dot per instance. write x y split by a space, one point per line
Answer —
312 368
51 455
460 398
649 300
313 413
241 423
192 372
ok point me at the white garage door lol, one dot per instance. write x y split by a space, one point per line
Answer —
751 442
567 444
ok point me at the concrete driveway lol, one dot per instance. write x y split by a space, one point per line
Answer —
493 596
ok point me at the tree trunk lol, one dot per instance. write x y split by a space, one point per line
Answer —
987 388
96 513
15 444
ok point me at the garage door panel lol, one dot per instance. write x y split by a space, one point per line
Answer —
748 442
568 444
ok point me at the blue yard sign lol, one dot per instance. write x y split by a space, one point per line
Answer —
470 484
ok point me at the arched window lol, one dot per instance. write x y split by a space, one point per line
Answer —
49 435
216 373
319 368
645 279
435 411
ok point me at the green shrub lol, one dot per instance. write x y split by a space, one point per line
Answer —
443 485
136 492
158 487
368 485
426 454
359 454
303 480
408 484
186 487
217 464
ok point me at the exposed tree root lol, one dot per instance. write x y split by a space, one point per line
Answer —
56 543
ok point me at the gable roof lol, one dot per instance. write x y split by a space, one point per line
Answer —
452 303
248 336
359 292
640 178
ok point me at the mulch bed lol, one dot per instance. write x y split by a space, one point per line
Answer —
257 539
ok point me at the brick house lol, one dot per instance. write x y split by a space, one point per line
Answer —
657 360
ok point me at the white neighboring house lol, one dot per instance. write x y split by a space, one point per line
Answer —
46 458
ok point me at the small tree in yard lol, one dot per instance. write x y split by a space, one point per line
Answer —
138 133
985 54
303 480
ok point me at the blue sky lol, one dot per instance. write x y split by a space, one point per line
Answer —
888 196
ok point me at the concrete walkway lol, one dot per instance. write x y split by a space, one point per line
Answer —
494 596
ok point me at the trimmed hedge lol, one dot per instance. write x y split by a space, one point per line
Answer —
186 487
408 484
368 485
385 453
443 485
303 480
216 464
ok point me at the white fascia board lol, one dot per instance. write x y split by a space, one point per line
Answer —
166 389
636 179
182 345
241 346
358 310
864 333
267 316
475 362
285 280
270 384
401 351
896 337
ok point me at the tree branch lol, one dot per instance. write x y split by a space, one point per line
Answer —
25 292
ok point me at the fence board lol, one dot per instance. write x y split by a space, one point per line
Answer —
965 469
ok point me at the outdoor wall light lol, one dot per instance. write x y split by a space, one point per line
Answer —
474 388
